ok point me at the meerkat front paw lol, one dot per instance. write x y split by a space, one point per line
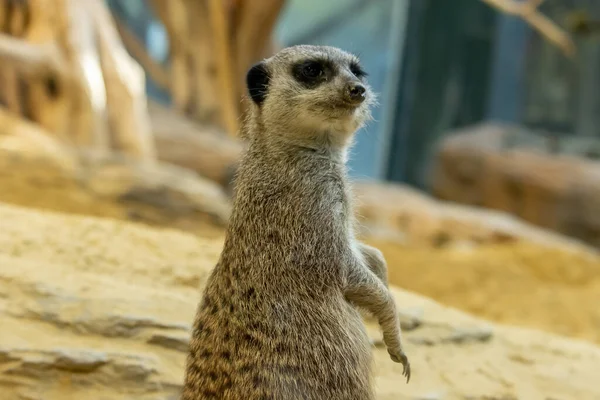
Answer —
400 357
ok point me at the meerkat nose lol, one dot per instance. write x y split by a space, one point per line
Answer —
356 93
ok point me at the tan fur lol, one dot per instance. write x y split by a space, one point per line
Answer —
278 319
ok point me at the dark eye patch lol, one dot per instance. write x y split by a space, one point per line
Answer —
357 70
313 72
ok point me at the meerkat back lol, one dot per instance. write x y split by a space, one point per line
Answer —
276 320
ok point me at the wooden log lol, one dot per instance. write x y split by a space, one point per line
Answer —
45 91
528 11
195 146
30 58
75 77
213 43
252 39
29 141
9 89
173 14
222 47
125 85
155 71
89 120
58 78
205 105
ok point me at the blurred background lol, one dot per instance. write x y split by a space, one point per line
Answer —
479 179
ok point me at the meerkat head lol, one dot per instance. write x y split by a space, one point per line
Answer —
310 94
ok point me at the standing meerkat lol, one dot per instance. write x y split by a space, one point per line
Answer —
278 320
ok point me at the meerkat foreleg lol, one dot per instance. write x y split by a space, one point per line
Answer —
375 261
365 289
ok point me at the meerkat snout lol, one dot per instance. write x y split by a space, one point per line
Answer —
355 93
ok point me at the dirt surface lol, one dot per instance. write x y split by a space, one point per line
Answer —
484 264
554 289
101 309
113 187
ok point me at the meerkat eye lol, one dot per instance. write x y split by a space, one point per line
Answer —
312 73
357 70
313 70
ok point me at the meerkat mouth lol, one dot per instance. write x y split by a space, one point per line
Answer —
348 106
337 109
344 105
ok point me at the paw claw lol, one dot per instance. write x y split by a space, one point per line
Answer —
401 358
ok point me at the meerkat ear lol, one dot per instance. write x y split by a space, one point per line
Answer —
257 81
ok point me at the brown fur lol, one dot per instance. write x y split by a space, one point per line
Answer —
278 319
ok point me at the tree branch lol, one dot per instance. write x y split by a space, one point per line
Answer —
125 88
528 11
254 28
156 72
220 31
30 58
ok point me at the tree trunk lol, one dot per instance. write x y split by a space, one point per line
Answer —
64 67
213 43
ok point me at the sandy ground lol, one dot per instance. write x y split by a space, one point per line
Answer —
554 288
529 285
101 309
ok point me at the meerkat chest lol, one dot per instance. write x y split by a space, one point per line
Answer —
335 200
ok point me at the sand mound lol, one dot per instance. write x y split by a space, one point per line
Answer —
100 309
554 289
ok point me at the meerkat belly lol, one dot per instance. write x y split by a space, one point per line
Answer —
323 354
315 350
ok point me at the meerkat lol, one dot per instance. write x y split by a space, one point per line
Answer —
279 316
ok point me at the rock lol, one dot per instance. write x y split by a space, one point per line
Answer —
430 334
204 149
176 341
481 334
101 309
401 214
430 396
80 361
27 142
115 187
548 182
519 283
410 318
159 194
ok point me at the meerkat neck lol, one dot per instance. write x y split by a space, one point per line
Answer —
321 144
295 146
